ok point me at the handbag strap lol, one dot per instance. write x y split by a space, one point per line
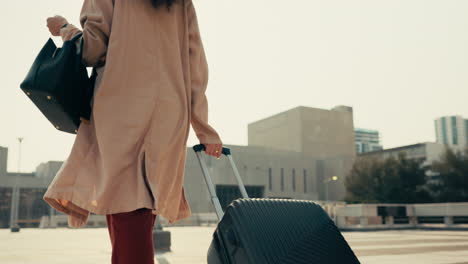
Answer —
79 36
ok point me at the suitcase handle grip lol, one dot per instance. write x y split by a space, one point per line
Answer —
209 183
202 147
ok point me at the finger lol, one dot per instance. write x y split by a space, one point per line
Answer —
212 150
207 149
215 151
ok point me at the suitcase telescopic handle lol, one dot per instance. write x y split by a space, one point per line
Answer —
209 183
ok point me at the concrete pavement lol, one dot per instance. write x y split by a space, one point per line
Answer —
190 244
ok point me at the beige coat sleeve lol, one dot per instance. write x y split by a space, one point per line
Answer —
96 21
199 82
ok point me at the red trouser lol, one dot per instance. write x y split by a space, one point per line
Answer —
131 235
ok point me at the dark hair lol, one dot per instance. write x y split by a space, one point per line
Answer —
157 3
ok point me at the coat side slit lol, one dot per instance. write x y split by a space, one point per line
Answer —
145 177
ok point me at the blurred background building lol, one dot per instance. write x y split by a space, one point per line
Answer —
452 131
292 155
31 187
426 152
367 140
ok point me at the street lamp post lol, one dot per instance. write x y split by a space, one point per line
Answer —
15 196
327 181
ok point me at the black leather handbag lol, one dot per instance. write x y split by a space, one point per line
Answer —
59 85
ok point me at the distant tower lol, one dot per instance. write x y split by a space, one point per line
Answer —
367 140
3 160
452 131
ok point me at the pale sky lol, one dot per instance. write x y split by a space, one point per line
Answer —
399 63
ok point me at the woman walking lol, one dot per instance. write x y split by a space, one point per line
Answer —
128 160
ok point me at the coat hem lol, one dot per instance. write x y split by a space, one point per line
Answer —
78 211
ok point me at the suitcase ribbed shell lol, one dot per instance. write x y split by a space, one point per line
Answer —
274 231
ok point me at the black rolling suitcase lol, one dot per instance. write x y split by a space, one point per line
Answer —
272 231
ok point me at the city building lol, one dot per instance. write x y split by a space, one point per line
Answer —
427 152
315 132
292 154
367 140
31 190
3 160
452 131
48 169
323 137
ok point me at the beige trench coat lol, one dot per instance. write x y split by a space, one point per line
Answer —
132 152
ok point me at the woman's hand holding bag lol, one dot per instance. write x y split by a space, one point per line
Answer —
55 24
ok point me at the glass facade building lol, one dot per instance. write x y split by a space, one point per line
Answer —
367 140
452 131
